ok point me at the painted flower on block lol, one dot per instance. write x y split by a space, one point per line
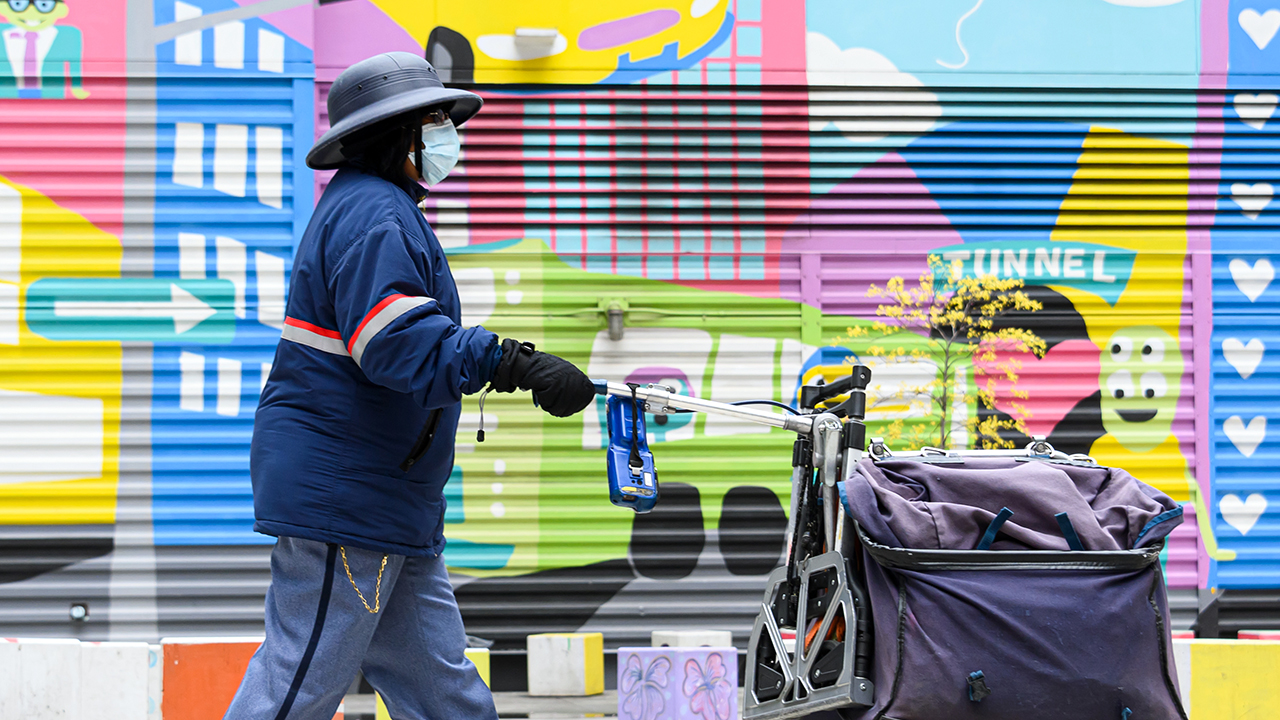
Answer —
641 687
710 693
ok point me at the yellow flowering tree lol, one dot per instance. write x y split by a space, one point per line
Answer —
956 317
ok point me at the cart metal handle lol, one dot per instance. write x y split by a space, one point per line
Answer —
660 400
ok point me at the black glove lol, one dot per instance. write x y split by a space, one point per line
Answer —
558 386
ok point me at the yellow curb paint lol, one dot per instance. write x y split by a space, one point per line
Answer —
593 665
480 658
1234 679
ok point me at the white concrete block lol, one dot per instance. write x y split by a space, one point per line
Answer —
113 681
48 679
566 664
9 679
691 638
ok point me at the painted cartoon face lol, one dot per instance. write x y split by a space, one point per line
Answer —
33 15
1141 378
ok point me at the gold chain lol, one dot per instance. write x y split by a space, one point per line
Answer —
377 590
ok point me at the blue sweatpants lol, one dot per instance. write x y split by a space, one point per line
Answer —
319 634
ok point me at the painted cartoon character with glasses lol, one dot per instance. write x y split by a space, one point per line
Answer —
38 57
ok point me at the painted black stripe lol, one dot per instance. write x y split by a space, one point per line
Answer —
301 674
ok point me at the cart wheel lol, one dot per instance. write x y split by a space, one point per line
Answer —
666 542
752 526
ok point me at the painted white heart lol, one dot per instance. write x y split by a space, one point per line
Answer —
1256 110
1244 357
1252 199
1254 279
1246 438
1261 28
1242 514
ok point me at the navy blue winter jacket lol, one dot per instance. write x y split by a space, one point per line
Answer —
372 353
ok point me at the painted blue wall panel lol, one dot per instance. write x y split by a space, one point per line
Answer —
232 197
1246 438
1245 383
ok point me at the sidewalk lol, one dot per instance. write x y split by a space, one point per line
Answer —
520 705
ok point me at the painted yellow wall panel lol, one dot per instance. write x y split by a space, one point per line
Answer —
1141 336
1162 468
70 502
591 39
59 401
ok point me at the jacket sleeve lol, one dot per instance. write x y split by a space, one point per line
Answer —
394 328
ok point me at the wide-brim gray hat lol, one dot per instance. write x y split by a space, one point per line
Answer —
379 88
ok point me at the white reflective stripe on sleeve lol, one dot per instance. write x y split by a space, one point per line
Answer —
303 334
380 317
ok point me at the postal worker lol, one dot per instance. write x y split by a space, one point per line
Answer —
353 439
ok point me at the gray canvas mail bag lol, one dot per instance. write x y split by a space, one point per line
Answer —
1014 589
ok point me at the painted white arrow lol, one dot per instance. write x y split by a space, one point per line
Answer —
186 309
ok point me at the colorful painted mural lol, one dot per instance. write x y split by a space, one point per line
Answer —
734 175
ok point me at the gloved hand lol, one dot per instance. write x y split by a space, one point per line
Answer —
558 386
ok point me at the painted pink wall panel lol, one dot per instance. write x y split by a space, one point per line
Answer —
1183 544
70 149
350 31
296 22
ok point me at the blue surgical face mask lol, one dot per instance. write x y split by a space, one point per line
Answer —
440 147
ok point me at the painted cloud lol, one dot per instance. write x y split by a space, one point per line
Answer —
885 102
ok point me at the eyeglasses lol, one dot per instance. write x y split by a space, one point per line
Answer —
43 6
435 117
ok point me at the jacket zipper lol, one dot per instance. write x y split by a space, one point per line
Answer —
423 443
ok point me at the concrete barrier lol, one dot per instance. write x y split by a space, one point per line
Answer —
1228 679
1259 635
478 656
40 679
566 664
178 679
683 683
691 638
201 675
114 681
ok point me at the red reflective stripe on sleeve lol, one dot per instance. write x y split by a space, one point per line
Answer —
313 336
313 328
378 318
371 315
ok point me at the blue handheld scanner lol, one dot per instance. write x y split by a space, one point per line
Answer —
633 482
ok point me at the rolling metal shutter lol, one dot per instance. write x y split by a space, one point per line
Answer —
1243 382
232 196
683 185
236 223
730 190
739 217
